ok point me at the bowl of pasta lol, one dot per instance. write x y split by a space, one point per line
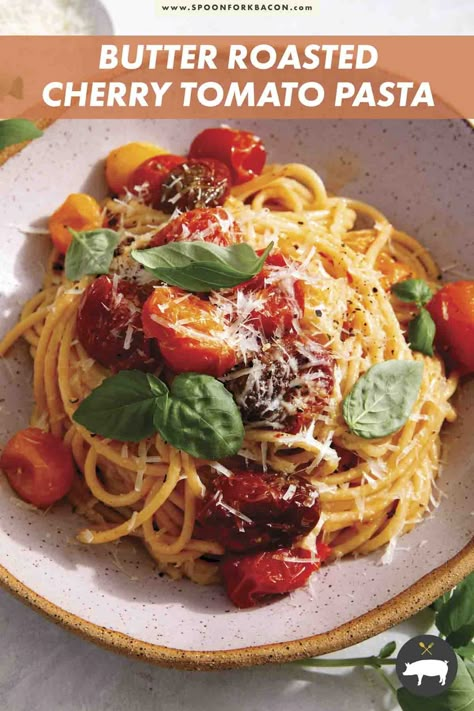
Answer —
236 381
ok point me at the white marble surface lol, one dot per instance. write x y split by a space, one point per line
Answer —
45 668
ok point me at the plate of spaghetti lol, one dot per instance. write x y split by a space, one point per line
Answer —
235 363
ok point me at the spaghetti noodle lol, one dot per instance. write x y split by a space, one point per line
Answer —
345 253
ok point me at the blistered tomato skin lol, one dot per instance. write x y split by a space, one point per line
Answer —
295 381
189 333
276 307
153 172
207 224
241 151
258 577
452 309
109 325
197 183
272 510
38 466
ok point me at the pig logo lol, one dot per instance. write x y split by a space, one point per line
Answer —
426 665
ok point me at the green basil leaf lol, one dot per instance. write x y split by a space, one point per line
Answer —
90 252
123 406
455 619
459 696
421 333
466 652
202 266
440 601
382 399
200 417
13 131
414 291
387 650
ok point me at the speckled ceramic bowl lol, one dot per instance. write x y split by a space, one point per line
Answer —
421 175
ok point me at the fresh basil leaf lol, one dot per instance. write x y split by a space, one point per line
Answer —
414 291
90 252
440 601
200 417
455 619
421 333
123 406
202 266
466 652
13 131
470 668
387 650
382 399
197 415
459 696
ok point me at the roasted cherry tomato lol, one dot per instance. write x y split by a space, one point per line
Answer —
109 325
123 161
393 271
276 309
241 151
153 172
288 383
79 211
38 466
208 224
452 309
203 182
256 511
257 577
189 332
276 303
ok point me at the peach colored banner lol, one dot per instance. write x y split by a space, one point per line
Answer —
223 77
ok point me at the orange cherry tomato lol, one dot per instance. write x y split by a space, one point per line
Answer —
38 466
392 270
189 332
79 211
452 310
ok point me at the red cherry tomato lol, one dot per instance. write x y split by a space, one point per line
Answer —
241 151
153 171
452 309
256 577
203 182
255 510
109 325
189 332
38 466
207 224
277 305
277 309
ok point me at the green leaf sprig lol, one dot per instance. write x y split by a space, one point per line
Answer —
13 131
381 400
195 414
90 252
421 329
453 617
202 266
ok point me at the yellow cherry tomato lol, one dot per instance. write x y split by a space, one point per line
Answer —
121 162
